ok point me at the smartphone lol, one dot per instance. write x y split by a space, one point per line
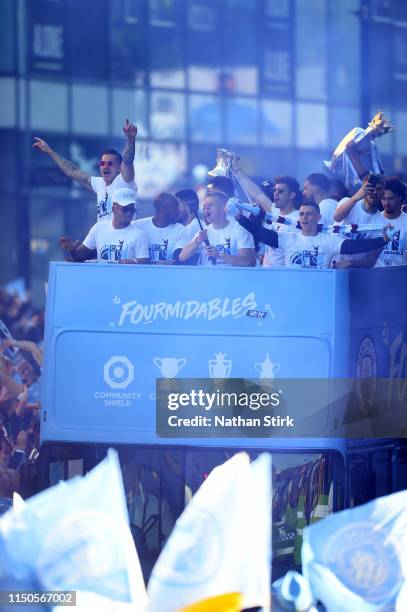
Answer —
373 179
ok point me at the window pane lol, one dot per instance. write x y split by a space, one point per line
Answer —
52 115
311 51
344 75
400 66
89 36
8 105
158 166
241 121
166 44
401 133
203 45
241 38
47 225
276 123
205 119
342 120
48 45
10 237
89 108
277 48
131 104
7 38
167 115
381 59
309 162
312 126
128 39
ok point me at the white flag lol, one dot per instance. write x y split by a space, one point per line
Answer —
357 559
74 536
222 541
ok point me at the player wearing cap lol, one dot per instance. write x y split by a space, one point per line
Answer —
116 171
116 240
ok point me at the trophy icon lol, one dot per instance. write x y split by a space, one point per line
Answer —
266 368
220 367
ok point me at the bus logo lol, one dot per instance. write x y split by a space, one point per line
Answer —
118 372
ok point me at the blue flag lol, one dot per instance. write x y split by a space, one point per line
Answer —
357 559
74 536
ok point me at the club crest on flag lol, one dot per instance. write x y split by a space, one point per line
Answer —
365 560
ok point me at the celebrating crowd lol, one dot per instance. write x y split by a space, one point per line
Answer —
323 226
21 330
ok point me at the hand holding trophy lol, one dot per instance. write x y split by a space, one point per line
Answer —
357 154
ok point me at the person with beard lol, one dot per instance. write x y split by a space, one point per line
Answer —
395 251
117 171
363 207
280 197
116 240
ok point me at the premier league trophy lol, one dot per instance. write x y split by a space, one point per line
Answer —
357 154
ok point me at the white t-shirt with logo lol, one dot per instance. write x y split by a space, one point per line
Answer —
162 241
113 245
274 256
358 216
394 252
227 240
193 228
309 251
104 193
327 209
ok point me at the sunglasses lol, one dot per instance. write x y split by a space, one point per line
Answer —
103 163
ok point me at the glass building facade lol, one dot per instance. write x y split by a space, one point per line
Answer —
279 81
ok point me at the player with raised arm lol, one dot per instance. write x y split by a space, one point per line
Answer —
117 171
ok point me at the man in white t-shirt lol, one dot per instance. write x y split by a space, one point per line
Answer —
188 202
165 235
309 248
224 242
280 198
395 251
285 192
115 240
116 171
362 207
316 189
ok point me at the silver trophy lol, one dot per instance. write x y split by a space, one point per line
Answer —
223 163
223 167
358 148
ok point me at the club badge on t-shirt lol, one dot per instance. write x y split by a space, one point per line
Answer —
306 259
104 208
158 252
112 252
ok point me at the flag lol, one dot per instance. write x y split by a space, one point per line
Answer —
74 536
292 592
357 559
222 542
